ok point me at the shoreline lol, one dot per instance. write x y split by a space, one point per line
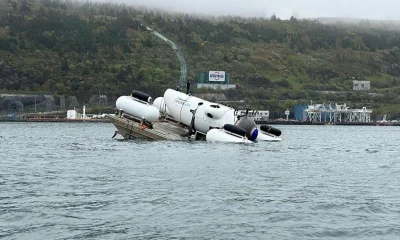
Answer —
60 120
65 120
333 124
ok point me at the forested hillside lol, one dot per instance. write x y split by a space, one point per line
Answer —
70 48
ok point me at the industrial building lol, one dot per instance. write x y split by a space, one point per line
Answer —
331 113
361 85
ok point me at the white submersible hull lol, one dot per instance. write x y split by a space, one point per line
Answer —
208 115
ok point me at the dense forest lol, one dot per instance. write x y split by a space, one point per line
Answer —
71 48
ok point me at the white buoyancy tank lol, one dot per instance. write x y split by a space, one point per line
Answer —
159 103
137 109
221 135
262 136
179 104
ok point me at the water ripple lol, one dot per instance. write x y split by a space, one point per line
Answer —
73 181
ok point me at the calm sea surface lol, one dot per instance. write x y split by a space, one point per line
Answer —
73 181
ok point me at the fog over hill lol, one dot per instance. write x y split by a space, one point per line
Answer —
284 9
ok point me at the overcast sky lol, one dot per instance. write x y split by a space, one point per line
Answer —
366 9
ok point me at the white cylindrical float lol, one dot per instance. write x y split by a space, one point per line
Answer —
208 115
221 135
137 108
268 133
263 136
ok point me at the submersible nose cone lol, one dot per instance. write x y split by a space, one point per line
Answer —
249 126
254 135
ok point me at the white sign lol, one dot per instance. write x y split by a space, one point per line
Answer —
216 76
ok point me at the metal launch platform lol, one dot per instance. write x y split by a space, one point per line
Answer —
163 129
336 114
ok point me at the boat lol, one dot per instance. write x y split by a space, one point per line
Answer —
180 116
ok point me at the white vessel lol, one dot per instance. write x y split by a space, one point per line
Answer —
206 114
179 116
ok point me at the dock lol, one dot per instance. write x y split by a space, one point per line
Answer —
275 122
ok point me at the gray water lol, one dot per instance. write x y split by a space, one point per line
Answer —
73 181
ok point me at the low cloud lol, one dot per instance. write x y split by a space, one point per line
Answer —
284 9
